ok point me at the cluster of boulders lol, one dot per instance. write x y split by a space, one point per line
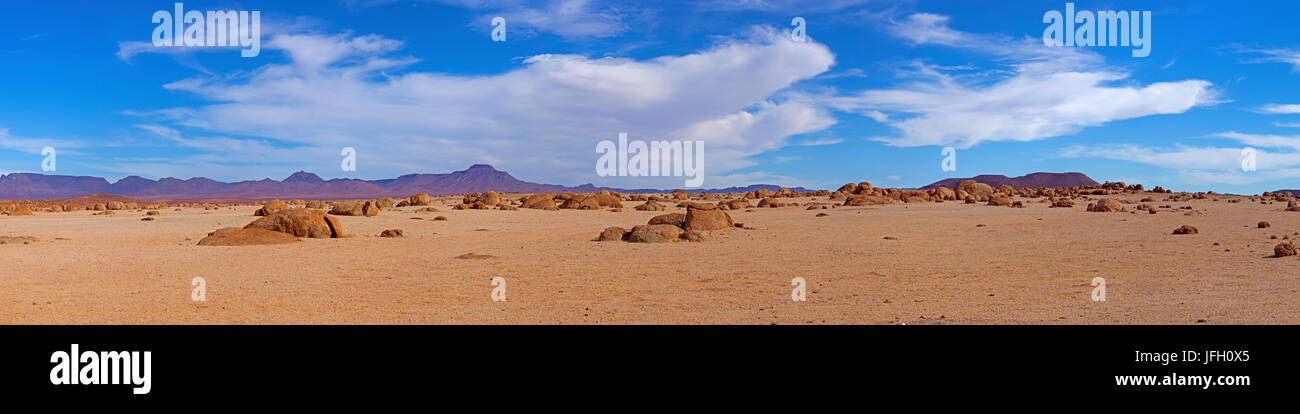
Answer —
572 201
699 218
28 207
283 226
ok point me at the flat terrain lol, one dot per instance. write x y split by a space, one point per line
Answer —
1029 265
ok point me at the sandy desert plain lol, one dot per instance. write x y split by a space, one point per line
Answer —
869 256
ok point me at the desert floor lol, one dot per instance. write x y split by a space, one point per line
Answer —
1023 266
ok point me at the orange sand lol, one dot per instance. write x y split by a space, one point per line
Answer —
1025 266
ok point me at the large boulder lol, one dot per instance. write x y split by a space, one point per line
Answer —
540 202
735 204
1106 206
945 193
612 234
651 206
979 190
490 198
420 199
581 203
672 219
271 207
355 208
654 233
246 237
1001 200
300 222
607 199
707 219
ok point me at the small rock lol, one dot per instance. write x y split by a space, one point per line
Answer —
1284 250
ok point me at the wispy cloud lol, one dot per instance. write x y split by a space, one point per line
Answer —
572 19
783 6
1290 56
1040 92
1280 109
32 145
1276 157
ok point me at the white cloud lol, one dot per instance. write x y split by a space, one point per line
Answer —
1290 56
572 19
540 121
270 26
1048 92
1281 109
35 145
1276 157
783 6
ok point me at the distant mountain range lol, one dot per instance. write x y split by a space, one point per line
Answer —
1035 180
305 185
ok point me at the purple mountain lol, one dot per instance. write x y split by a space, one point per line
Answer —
1035 180
301 184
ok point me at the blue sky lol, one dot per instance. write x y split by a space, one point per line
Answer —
876 93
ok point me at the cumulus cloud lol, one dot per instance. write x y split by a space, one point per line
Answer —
541 121
1037 92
